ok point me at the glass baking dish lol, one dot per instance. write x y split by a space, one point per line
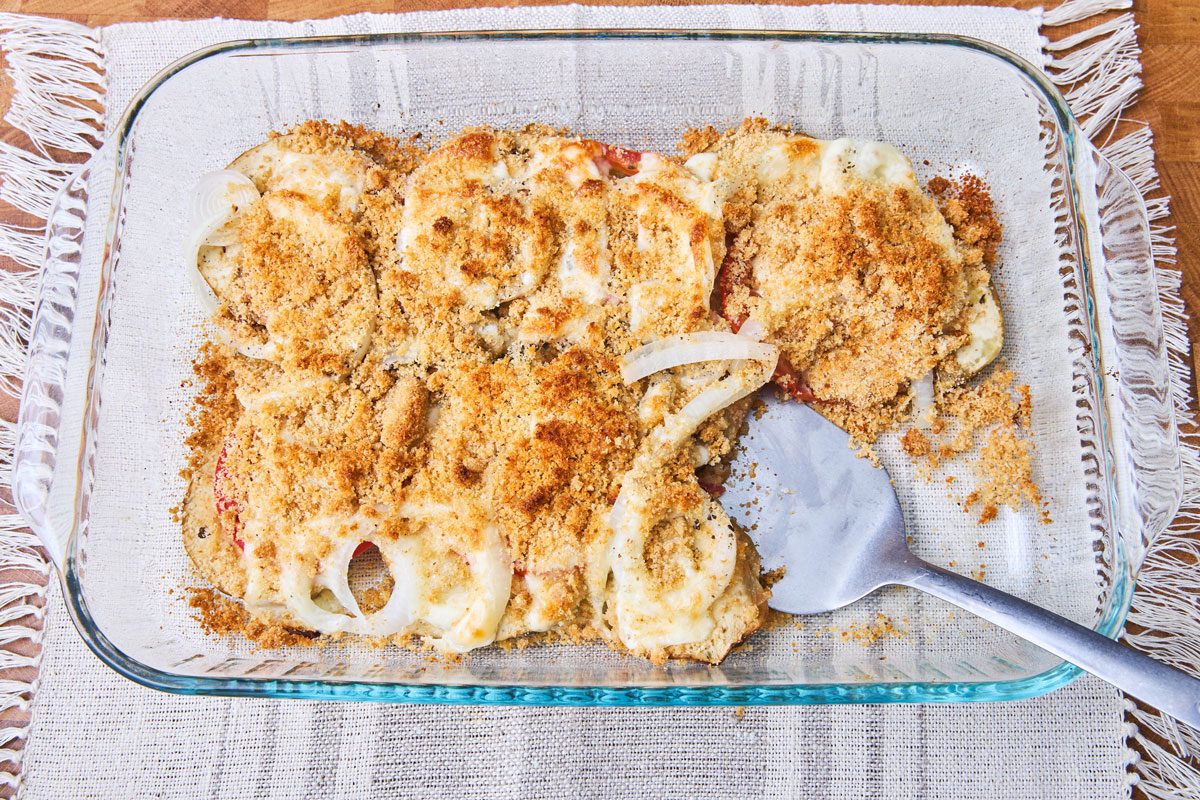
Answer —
100 441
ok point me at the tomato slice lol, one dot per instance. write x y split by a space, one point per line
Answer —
224 500
791 380
620 160
713 488
223 497
613 160
734 274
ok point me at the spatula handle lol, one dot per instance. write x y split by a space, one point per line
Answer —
1170 690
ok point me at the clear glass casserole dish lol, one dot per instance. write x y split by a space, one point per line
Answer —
100 439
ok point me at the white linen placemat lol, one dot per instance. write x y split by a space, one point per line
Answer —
98 735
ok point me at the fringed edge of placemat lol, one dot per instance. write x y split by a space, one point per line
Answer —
1099 70
57 74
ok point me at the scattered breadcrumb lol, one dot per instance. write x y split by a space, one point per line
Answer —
217 613
868 633
989 422
916 443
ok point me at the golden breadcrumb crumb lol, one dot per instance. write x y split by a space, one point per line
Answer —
989 422
868 633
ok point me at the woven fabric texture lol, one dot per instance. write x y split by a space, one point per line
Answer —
98 735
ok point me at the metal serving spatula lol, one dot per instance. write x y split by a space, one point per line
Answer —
833 521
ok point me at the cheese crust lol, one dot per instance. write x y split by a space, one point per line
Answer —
420 352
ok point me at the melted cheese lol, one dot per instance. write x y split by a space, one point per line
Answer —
475 427
678 231
831 165
339 178
651 615
985 329
471 218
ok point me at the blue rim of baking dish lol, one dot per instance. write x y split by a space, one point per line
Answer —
515 695
1112 617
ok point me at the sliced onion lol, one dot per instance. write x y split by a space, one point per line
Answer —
492 569
679 426
753 329
397 613
262 351
216 197
660 446
470 616
258 595
702 165
282 391
204 292
405 352
647 618
922 400
296 585
690 348
334 575
986 329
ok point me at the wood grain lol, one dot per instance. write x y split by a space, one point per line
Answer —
1170 103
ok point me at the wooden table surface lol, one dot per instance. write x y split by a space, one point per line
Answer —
1170 102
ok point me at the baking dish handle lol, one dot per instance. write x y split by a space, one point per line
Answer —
1132 343
43 488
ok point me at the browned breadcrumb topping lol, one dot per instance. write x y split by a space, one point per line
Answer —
424 352
967 205
916 443
865 284
989 421
490 384
219 614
